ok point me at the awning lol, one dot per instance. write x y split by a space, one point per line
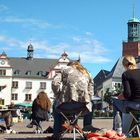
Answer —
23 105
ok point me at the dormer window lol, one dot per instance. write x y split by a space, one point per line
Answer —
16 72
40 73
28 73
45 73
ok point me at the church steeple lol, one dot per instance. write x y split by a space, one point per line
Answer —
30 51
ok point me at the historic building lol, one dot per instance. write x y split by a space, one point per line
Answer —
132 46
112 80
21 79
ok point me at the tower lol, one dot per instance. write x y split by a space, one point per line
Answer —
30 52
132 46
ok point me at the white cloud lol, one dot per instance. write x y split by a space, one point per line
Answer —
90 50
10 41
28 21
90 58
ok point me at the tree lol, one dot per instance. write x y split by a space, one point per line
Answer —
108 94
118 90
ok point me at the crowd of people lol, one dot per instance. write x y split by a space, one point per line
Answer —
75 83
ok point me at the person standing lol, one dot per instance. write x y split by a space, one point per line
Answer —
74 83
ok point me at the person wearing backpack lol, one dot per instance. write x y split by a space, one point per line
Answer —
74 83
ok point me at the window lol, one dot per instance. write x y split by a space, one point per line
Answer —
15 84
2 72
42 85
28 85
40 73
28 97
16 72
28 73
1 101
118 85
14 96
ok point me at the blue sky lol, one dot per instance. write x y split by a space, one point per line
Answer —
93 29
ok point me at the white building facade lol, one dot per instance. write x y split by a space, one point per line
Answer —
21 79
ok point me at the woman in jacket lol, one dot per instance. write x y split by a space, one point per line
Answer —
74 83
40 108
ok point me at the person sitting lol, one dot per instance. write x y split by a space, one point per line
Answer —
40 109
74 83
7 115
131 89
15 111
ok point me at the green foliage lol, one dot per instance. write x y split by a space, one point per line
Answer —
118 90
108 94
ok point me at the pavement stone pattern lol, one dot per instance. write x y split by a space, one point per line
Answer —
24 133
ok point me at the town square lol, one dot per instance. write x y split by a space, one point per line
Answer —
69 69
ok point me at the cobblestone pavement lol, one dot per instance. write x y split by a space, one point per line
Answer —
24 133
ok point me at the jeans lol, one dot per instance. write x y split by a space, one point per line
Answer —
121 105
88 117
59 120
